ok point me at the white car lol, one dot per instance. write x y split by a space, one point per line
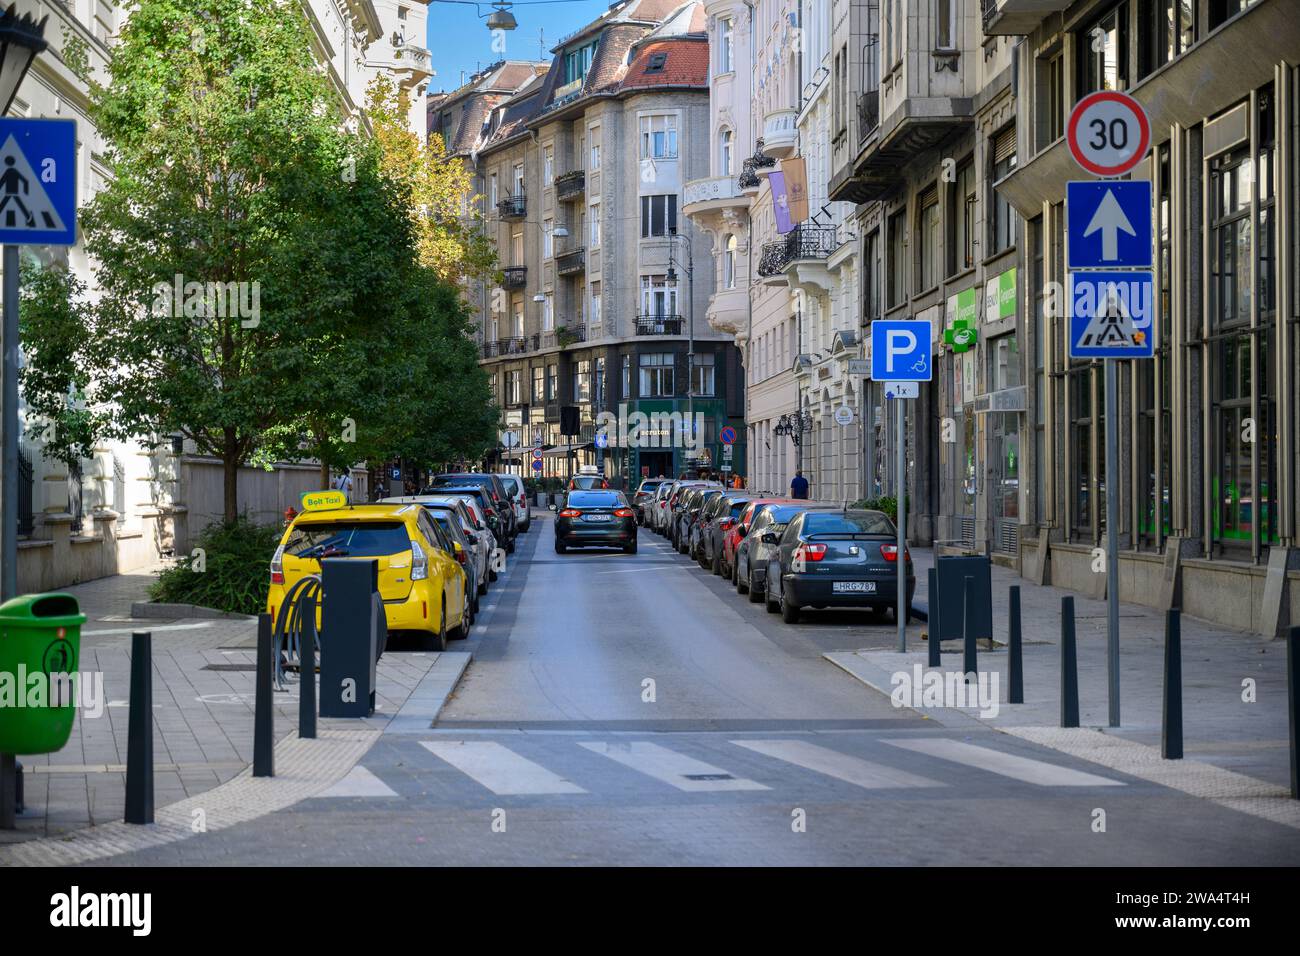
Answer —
474 529
518 500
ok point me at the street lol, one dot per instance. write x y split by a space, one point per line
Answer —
628 710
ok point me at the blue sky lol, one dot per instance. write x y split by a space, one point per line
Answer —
459 38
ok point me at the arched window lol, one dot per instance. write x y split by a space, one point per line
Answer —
726 140
729 261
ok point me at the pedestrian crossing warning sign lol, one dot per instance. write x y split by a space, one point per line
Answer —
38 182
1111 315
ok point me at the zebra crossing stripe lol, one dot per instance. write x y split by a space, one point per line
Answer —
832 763
498 768
675 769
1023 769
360 782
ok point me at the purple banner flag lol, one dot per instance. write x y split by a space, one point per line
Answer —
780 202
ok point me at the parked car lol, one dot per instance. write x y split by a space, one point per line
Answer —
843 558
423 586
766 525
719 516
478 540
499 500
736 533
514 486
687 537
685 491
595 518
482 502
643 496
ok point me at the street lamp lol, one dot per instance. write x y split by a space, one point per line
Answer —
21 39
794 426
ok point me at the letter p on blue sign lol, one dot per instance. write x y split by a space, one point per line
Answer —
900 350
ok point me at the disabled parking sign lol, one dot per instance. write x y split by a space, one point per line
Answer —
900 350
38 182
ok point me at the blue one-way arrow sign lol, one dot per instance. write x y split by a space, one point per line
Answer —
1109 225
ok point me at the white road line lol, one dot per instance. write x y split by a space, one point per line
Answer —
498 768
145 626
1006 765
854 770
360 782
678 770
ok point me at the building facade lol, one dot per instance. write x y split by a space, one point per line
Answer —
596 342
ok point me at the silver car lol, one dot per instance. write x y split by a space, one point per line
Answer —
518 499
761 542
486 560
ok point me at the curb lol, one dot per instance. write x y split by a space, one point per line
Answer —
149 610
878 679
422 708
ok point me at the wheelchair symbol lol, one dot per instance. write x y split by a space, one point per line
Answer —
920 365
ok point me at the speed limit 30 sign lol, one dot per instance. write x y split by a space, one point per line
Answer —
1108 133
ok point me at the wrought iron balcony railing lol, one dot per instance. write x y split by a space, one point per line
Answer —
571 263
571 185
499 347
868 113
658 325
514 277
512 207
802 242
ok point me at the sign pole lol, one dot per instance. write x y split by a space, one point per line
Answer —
902 532
1112 538
9 424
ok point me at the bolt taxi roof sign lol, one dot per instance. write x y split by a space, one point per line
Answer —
38 182
323 500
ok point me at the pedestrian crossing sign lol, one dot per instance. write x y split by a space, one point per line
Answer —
1111 315
38 182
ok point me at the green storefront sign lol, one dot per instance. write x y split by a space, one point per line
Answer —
1000 297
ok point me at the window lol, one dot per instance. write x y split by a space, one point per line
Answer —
659 136
927 246
658 215
548 313
656 375
595 303
582 381
871 268
593 163
517 248
518 179
1166 29
492 386
552 382
600 382
1222 10
492 190
594 220
729 261
656 63
578 62
627 377
896 291
548 166
726 144
658 296
1055 98
539 385
726 45
961 219
839 106
945 24
514 387
548 238
703 382
1003 222
1103 52
517 328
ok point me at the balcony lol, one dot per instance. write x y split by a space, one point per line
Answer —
749 180
658 325
512 207
802 243
514 277
502 347
571 185
1017 18
571 263
713 195
883 160
563 336
780 134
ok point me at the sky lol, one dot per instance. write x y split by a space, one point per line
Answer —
459 39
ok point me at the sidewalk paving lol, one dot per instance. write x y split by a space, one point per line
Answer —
203 684
1220 728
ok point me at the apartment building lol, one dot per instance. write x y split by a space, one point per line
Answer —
131 503
602 307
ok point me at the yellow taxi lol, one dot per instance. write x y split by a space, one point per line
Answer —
423 586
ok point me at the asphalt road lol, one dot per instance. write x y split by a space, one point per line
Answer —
632 709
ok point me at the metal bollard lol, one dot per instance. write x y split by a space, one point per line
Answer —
307 670
8 791
1069 666
968 664
18 787
936 642
1293 703
1171 731
139 740
1015 664
263 716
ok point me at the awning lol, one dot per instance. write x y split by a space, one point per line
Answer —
561 451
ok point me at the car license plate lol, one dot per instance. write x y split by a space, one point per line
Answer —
595 517
853 587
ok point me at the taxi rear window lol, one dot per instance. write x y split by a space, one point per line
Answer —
347 539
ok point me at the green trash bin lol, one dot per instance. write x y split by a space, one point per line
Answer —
40 634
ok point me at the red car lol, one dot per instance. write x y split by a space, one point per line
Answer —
737 531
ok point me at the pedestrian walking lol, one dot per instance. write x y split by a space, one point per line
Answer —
343 483
799 485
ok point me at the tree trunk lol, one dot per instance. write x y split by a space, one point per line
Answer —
230 474
324 476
